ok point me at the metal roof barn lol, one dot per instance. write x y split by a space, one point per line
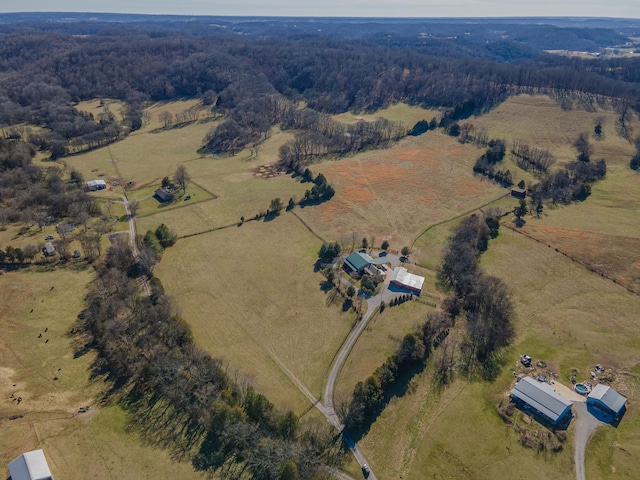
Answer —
606 398
30 466
403 279
542 398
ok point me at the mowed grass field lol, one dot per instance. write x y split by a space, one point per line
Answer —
37 363
394 193
251 297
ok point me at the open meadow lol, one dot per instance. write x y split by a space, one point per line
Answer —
251 296
394 193
39 366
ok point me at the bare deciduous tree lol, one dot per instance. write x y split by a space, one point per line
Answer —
181 177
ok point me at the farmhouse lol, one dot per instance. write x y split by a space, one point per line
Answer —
518 192
49 250
361 262
401 278
540 399
30 466
93 185
605 402
163 196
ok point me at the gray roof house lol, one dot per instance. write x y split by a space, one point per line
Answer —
541 400
605 402
30 466
163 196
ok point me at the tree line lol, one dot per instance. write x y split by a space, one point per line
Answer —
257 84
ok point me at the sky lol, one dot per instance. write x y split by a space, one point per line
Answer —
340 8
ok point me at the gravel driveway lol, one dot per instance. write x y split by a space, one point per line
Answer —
585 425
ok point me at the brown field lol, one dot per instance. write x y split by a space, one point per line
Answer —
93 106
615 256
392 194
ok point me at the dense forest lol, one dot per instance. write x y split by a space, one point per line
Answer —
261 76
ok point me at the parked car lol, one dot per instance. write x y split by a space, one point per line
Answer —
365 470
76 254
49 237
188 197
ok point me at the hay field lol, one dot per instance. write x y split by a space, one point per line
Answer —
393 193
53 385
250 295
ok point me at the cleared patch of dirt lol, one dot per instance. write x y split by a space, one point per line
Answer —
268 171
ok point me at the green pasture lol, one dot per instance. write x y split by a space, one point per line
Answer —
251 297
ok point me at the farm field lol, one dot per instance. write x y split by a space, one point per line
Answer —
566 316
538 120
393 193
251 297
38 365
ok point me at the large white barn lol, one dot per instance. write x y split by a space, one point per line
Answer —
30 466
401 278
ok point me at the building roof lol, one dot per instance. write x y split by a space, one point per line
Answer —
358 261
49 248
95 183
608 396
30 466
402 276
542 397
163 195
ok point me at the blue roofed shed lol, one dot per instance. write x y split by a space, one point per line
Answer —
605 402
541 400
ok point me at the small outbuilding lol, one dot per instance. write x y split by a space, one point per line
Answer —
93 185
163 196
30 466
540 400
604 402
518 192
401 278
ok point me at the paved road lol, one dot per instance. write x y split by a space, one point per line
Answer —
585 425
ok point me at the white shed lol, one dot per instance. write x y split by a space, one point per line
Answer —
30 466
96 185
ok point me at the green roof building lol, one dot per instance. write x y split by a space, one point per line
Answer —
357 262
